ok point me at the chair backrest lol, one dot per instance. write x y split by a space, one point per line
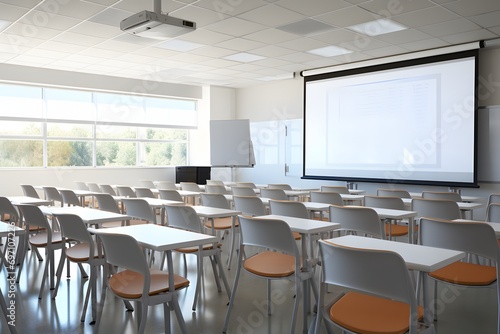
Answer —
243 191
215 182
246 184
81 185
183 217
166 185
53 195
6 207
144 192
190 186
394 193
470 237
328 197
249 205
279 186
73 227
94 187
446 195
216 189
107 189
126 191
139 208
278 194
360 269
215 201
147 184
435 208
29 190
387 202
106 202
69 197
336 189
34 217
288 208
170 194
273 234
493 213
493 198
358 219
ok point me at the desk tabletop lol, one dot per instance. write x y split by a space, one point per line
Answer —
158 202
6 228
17 200
160 238
417 257
210 212
305 226
464 206
88 215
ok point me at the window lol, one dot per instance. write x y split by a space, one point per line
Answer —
52 127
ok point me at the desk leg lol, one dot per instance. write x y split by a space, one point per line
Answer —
428 317
175 301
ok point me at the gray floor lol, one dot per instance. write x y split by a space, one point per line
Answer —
460 311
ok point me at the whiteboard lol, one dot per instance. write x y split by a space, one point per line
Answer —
230 143
489 144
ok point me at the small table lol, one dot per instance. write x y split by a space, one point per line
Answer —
19 200
88 215
393 214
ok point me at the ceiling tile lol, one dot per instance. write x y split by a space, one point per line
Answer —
110 16
135 6
96 30
25 30
201 16
425 44
403 36
76 9
348 16
77 39
11 13
470 8
487 20
231 7
469 36
390 8
450 27
240 44
235 27
272 16
426 16
307 27
53 21
312 7
271 36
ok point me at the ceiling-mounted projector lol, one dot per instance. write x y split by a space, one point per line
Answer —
156 25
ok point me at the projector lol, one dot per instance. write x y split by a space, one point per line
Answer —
155 25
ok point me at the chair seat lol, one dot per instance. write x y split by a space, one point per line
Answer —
80 253
271 264
396 230
296 235
221 223
194 249
366 314
464 273
40 240
129 284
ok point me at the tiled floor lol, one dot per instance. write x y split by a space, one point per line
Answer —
461 311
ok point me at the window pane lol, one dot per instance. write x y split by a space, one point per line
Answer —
21 101
69 104
114 108
69 153
21 153
69 130
116 132
164 154
21 128
171 112
112 153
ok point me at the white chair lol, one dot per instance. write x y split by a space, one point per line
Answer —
69 198
147 184
80 249
215 182
170 194
144 192
106 202
47 239
184 217
139 209
473 238
108 189
94 187
278 258
278 194
377 301
279 186
328 197
336 189
358 220
53 195
492 199
145 286
29 191
246 184
435 208
166 185
288 208
393 193
392 229
81 185
446 195
125 191
249 205
243 191
216 189
190 186
493 213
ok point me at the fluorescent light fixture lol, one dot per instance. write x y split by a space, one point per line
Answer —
377 27
4 24
330 51
179 45
278 77
244 57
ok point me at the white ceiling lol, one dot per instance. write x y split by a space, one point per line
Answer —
84 35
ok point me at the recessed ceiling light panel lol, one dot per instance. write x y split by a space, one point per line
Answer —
377 27
330 51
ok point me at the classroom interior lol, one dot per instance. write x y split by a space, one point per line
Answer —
79 45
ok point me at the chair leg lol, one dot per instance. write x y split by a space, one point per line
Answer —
268 297
44 277
143 317
60 268
233 294
166 317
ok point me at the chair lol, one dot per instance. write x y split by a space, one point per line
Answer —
336 189
81 185
8 211
69 198
249 205
144 192
29 190
106 202
493 213
392 229
216 189
80 249
47 239
278 258
243 191
139 209
53 195
144 285
328 197
492 198
436 208
147 184
377 301
215 182
184 217
166 185
107 189
277 194
246 184
190 186
288 208
473 238
94 187
358 220
393 193
170 194
279 186
446 195
126 191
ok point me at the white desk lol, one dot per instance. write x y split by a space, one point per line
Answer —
164 239
400 215
10 231
18 200
464 197
423 259
350 198
88 215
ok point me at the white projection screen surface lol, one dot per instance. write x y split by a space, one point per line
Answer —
408 122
